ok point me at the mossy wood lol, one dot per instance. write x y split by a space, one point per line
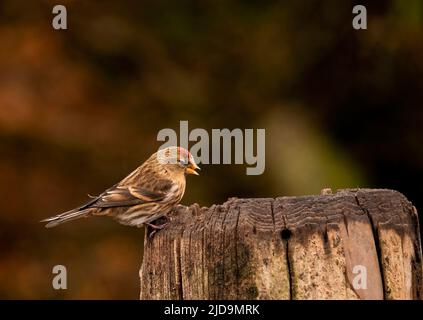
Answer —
309 247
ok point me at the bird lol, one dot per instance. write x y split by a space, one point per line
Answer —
148 193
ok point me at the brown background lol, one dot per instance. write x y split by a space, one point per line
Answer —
81 108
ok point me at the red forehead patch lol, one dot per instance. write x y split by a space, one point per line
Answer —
183 152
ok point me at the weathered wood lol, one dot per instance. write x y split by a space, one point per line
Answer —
288 248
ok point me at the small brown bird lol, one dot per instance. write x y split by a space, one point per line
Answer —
145 195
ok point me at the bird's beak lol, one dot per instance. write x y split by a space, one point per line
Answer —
191 169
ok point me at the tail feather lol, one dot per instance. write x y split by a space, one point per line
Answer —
65 217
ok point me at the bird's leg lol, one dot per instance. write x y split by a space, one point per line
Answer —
161 223
151 233
155 227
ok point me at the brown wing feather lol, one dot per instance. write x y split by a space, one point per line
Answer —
120 196
125 196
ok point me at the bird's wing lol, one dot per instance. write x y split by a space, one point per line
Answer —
120 196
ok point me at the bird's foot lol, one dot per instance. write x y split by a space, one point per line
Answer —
151 234
154 228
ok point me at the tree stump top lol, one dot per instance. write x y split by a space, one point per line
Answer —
308 247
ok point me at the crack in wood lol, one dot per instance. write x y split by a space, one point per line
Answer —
288 258
236 255
376 240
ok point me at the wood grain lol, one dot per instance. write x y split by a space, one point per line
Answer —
305 247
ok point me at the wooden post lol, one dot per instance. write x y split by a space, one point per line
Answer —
354 244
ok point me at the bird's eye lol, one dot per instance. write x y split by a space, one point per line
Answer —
183 162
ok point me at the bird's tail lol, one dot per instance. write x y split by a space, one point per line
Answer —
65 217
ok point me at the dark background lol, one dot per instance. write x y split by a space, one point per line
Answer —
81 108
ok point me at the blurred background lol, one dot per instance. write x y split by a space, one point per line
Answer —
81 108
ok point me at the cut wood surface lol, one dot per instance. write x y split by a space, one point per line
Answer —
354 244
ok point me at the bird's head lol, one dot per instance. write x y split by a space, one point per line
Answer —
178 160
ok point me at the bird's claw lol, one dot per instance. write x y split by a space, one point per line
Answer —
154 228
151 234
